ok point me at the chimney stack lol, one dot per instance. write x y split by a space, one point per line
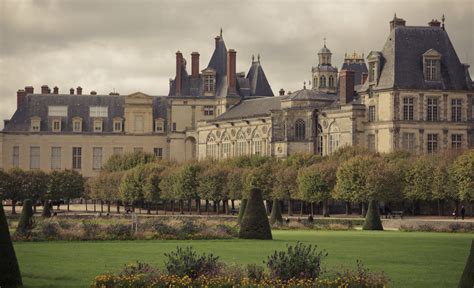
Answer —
282 92
346 86
71 91
231 72
364 77
195 64
217 40
434 23
55 90
396 22
79 90
29 89
20 98
93 92
179 64
45 89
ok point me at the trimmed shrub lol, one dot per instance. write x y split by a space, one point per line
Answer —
243 204
186 262
372 219
119 231
467 278
91 229
255 223
275 217
26 219
46 210
49 229
10 275
299 261
255 272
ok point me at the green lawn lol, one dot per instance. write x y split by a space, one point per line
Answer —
410 259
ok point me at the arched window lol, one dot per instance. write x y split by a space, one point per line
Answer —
300 130
257 144
320 141
331 81
225 147
322 81
315 82
241 146
334 137
211 147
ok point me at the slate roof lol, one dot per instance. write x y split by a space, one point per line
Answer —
312 94
259 85
358 68
402 60
78 106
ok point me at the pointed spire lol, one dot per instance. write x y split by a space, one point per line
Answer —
221 32
324 42
304 85
442 19
258 57
253 58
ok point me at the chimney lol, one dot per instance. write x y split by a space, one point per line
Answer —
231 71
44 89
364 77
179 64
55 90
346 86
79 90
20 97
434 23
282 92
195 64
71 91
396 22
217 40
93 92
29 89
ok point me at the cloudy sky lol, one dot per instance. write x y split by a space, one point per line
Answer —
130 45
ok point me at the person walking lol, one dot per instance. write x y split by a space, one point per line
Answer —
463 212
455 213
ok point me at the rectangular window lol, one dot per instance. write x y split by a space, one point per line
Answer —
118 126
408 142
432 112
456 141
76 157
77 126
432 143
208 110
431 69
174 126
209 83
98 111
34 157
98 125
16 156
57 111
371 142
55 157
138 149
456 110
97 158
158 152
408 109
371 113
159 125
118 151
57 125
35 125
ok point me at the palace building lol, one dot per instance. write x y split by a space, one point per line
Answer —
414 95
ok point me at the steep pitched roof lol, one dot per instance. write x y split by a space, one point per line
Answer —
252 108
259 85
358 68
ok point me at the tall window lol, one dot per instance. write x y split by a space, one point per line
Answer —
77 125
456 141
257 144
300 130
371 113
431 69
320 140
16 156
158 152
97 158
211 147
34 157
432 112
408 111
118 125
456 110
55 157
432 143
372 68
241 146
371 142
331 81
225 147
334 138
57 125
208 110
322 82
408 142
76 158
98 125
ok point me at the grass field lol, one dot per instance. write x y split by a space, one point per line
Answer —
410 259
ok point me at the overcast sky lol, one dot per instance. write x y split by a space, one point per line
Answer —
130 45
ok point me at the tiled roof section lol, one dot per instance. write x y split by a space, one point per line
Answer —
252 108
311 94
36 105
259 85
402 60
358 68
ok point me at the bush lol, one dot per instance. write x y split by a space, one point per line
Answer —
467 278
91 229
255 223
372 219
65 224
189 227
186 262
10 275
138 268
299 261
118 231
163 229
362 277
46 209
255 272
275 217
49 229
243 204
26 219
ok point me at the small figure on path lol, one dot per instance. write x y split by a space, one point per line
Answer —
463 212
455 213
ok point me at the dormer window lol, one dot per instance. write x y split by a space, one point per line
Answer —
77 124
432 65
56 125
374 65
209 76
372 71
159 125
98 125
118 125
35 124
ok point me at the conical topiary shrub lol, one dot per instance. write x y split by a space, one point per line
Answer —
372 218
10 275
26 219
275 217
255 223
467 278
46 209
243 204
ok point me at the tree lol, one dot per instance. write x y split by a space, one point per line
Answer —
128 161
132 185
276 216
106 187
46 209
55 186
72 185
151 189
16 188
285 184
35 185
5 183
212 183
372 219
462 171
26 219
10 275
467 278
419 179
187 184
243 204
255 223
443 186
168 186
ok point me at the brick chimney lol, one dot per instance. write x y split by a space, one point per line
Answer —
346 86
93 92
20 97
79 90
71 91
45 89
29 89
55 90
179 64
396 22
195 64
231 72
434 23
364 77
282 92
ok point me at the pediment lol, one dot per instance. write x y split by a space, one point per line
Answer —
432 53
374 55
138 95
138 98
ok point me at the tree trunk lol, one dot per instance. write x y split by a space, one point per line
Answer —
312 208
216 203
181 207
86 205
226 206
118 207
207 207
302 208
348 208
164 206
95 207
13 207
440 204
108 206
232 202
148 208
290 207
68 204
101 206
189 206
172 207
325 208
198 206
215 207
364 210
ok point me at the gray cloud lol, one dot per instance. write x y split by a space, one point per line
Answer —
129 45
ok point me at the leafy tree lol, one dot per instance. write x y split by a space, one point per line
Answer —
132 185
372 219
212 183
300 160
10 275
187 183
151 189
168 186
26 219
243 204
443 186
106 187
72 185
35 185
235 183
251 161
261 178
462 171
128 161
5 183
285 184
16 188
46 209
255 223
419 179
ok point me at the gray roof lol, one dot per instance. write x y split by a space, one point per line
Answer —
312 94
402 60
252 108
358 68
258 81
36 105
324 50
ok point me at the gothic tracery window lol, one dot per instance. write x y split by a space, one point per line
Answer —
300 129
